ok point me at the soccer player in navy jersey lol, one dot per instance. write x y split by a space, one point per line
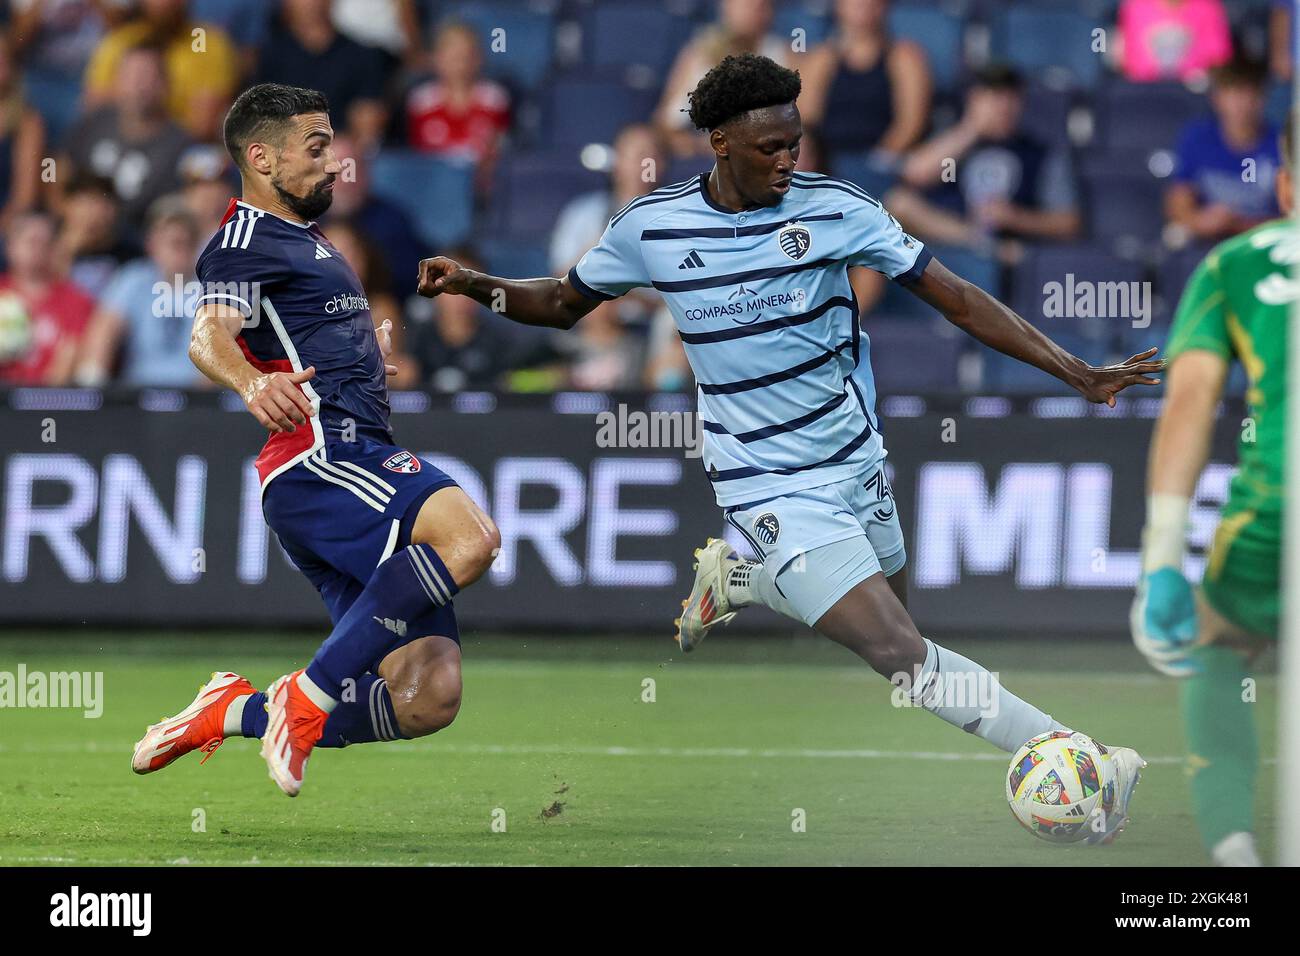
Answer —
752 260
387 539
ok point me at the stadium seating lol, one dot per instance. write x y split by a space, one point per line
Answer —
975 268
1124 206
513 258
685 167
57 99
1143 115
899 304
1172 273
858 168
1278 107
908 357
438 194
1054 43
592 108
633 34
939 33
528 35
1063 269
790 17
530 190
1157 164
1047 114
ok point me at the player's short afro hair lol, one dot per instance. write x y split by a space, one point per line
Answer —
739 84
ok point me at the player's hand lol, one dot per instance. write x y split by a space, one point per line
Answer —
1101 384
385 335
440 274
1163 622
277 401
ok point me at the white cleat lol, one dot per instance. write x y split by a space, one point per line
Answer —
293 725
200 726
1127 766
708 605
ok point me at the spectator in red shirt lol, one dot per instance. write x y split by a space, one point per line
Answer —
457 113
42 315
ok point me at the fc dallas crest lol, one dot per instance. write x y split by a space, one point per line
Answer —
404 463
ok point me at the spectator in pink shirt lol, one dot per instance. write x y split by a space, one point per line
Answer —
1172 39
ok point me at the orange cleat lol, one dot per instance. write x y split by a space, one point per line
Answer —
200 726
294 724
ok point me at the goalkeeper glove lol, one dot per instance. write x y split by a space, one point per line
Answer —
1163 617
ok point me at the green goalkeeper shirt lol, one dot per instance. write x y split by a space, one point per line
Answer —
1236 305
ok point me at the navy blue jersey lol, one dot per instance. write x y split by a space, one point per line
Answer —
303 306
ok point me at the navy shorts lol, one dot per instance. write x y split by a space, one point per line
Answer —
344 510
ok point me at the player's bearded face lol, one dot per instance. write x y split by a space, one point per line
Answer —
306 167
307 195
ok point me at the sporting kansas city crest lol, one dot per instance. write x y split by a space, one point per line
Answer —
795 240
767 528
404 463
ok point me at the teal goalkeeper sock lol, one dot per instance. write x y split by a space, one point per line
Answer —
1223 749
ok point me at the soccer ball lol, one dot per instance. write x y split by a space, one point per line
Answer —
1060 785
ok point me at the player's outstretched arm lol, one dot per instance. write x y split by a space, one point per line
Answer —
274 398
977 313
554 303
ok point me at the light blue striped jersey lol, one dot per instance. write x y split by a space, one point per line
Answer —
763 304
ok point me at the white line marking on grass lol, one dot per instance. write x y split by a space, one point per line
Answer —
754 670
559 750
780 753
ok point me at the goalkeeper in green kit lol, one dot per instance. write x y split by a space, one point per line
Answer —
1235 308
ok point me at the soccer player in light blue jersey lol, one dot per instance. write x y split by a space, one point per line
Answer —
752 260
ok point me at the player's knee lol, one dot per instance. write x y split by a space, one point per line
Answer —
430 713
895 651
481 549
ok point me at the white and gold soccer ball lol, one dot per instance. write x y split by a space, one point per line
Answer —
1060 785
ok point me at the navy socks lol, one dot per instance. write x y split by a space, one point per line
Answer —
406 586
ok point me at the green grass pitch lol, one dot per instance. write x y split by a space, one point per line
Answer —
555 739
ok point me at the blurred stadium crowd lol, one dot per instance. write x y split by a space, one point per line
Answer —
1107 141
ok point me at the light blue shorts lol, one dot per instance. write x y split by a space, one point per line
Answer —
817 544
